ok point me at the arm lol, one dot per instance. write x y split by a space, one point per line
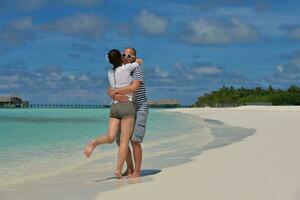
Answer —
138 78
131 66
109 89
119 97
134 86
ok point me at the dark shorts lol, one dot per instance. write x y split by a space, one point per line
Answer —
122 110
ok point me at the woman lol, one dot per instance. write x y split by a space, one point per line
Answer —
122 115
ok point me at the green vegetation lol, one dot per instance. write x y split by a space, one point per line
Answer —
229 96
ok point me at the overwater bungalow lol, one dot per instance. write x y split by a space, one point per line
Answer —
13 101
164 103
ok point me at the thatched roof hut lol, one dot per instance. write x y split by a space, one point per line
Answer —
12 101
10 98
164 103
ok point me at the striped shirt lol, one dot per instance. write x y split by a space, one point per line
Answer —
140 96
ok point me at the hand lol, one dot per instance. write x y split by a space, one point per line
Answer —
122 98
139 61
111 92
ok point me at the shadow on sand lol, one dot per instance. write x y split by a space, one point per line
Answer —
144 173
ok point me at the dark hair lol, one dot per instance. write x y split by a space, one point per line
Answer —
115 57
132 49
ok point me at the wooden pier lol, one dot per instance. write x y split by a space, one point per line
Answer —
64 106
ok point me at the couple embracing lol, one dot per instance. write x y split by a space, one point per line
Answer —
128 112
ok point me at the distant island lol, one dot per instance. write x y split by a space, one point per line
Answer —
230 96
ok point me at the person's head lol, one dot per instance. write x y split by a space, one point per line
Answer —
129 55
114 57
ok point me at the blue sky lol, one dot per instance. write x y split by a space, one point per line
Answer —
54 51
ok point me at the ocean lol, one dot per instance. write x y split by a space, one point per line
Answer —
36 143
40 146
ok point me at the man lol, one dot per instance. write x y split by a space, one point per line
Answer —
138 88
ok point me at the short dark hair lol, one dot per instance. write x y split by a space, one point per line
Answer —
115 57
133 49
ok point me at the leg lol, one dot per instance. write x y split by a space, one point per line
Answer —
129 161
137 155
126 132
136 139
113 126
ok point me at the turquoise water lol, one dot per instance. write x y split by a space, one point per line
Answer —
41 150
40 143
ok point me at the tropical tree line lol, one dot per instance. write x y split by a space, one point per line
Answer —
230 96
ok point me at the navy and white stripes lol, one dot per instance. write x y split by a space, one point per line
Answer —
140 96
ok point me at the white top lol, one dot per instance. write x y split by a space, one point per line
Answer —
121 77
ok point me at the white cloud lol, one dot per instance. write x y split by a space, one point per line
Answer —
295 34
23 30
49 77
280 68
157 75
23 24
292 67
292 31
18 31
31 5
86 3
211 31
160 72
151 24
193 75
208 70
82 25
286 74
84 77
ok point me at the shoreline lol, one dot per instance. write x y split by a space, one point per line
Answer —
90 178
263 166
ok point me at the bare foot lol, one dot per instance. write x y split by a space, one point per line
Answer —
135 174
118 174
127 172
89 148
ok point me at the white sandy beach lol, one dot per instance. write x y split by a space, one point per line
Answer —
264 166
